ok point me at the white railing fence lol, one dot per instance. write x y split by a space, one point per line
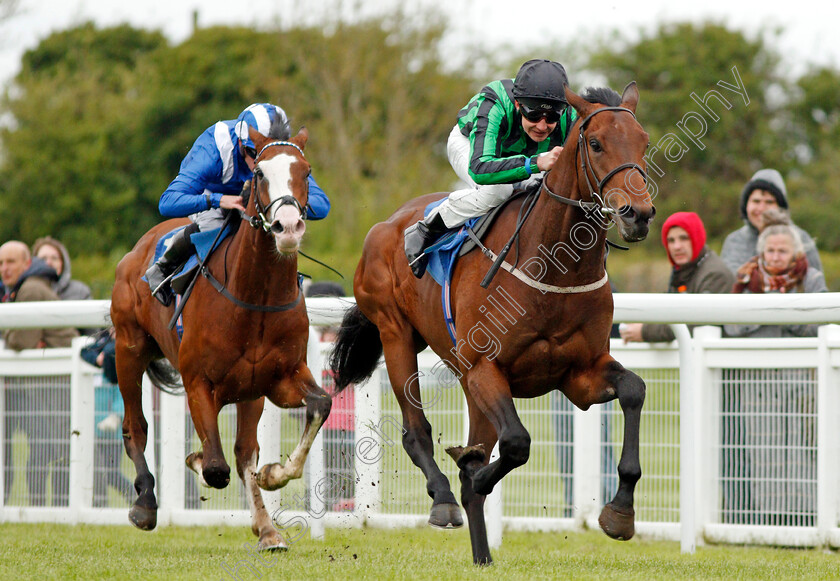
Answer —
738 440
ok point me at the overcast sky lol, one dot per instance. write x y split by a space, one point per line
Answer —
810 34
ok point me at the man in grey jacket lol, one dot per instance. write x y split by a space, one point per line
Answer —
765 189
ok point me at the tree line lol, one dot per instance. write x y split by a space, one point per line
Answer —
99 119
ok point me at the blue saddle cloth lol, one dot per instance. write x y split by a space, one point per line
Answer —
203 244
441 257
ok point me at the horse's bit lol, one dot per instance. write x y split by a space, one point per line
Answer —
586 165
260 220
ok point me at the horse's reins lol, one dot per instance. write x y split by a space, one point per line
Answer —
597 204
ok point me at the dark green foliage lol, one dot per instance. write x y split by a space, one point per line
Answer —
100 119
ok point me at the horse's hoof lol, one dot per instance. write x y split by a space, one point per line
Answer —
466 454
446 516
264 478
143 518
271 477
272 542
617 523
216 476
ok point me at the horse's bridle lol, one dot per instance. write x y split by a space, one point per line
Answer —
598 204
260 220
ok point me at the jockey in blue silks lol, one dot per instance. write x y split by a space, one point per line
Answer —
210 182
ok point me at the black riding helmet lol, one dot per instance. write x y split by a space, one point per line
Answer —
539 85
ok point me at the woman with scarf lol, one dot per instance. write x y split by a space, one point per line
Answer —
774 459
780 266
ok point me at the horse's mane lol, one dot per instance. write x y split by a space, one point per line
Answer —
602 95
280 129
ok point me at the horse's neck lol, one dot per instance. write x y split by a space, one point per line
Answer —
569 240
256 273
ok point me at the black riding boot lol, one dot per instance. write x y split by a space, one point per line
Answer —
418 238
158 274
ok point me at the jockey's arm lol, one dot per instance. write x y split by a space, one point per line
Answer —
188 193
319 203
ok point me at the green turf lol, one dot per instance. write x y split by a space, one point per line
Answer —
39 551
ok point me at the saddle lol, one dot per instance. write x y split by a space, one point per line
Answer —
445 252
203 245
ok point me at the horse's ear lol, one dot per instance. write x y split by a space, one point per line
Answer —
581 105
258 138
630 97
302 137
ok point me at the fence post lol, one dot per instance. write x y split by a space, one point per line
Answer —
82 410
688 443
707 439
271 450
586 466
369 448
315 460
828 418
173 450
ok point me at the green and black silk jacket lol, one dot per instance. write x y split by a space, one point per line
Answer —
499 147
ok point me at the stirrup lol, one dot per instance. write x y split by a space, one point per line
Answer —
418 263
162 292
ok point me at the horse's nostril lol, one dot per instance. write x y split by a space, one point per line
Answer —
627 213
277 227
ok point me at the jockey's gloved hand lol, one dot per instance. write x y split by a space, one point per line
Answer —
532 184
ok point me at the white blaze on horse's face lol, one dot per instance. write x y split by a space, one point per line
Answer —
286 220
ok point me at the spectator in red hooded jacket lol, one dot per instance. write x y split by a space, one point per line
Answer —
696 269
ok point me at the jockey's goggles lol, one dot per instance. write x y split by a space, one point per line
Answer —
534 115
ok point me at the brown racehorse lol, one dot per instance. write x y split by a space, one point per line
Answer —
239 348
545 327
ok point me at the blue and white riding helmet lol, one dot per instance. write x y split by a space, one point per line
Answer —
260 116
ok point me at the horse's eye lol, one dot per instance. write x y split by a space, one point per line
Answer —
258 172
595 145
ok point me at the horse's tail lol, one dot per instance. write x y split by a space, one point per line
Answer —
165 377
357 349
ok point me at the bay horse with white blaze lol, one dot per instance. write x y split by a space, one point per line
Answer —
243 341
534 329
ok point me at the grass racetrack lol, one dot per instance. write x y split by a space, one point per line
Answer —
46 551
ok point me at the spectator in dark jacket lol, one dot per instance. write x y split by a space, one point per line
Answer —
696 270
29 279
42 412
